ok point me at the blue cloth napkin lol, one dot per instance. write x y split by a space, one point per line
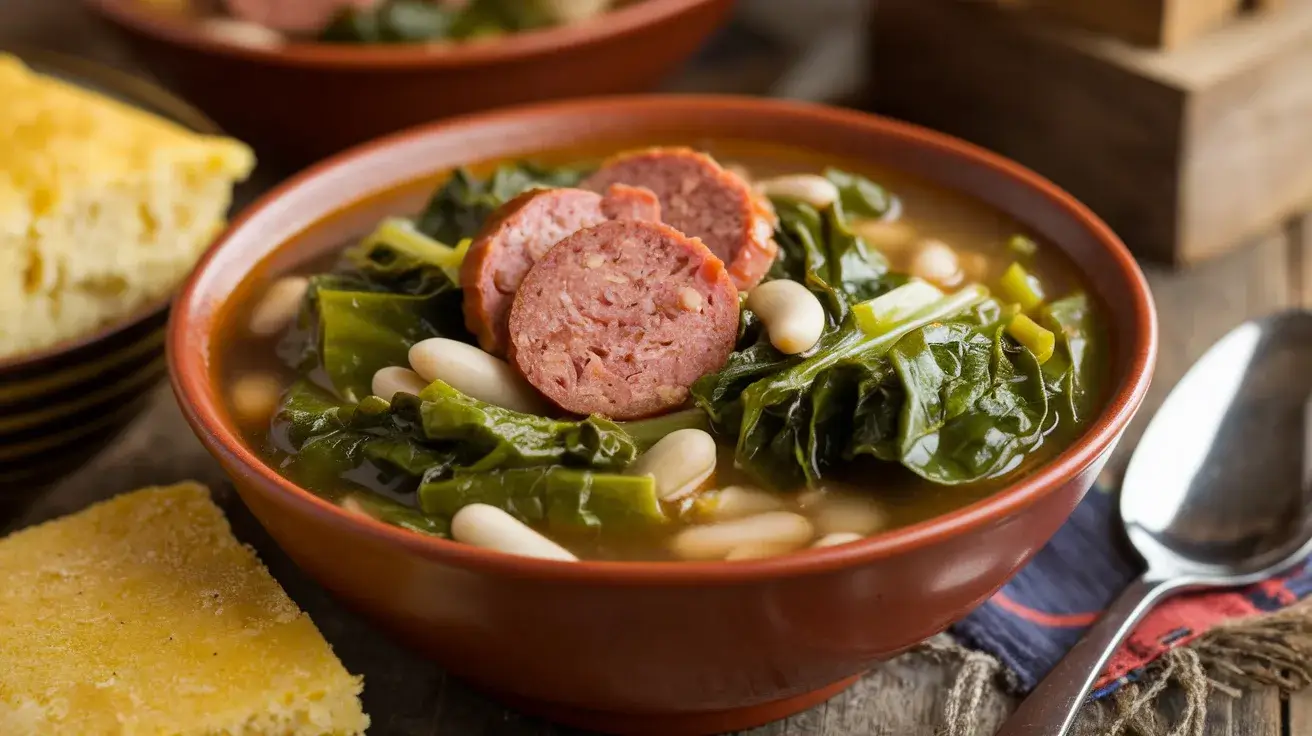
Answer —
1040 614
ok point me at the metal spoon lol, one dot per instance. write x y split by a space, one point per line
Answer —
1217 494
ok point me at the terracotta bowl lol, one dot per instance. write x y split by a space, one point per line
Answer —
61 404
667 647
301 102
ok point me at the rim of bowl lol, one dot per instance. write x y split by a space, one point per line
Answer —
141 95
187 32
200 399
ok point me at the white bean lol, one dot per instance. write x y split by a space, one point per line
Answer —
350 503
936 262
474 373
241 33
759 550
884 235
715 541
849 514
793 316
837 538
279 305
489 527
735 502
680 462
254 397
812 189
572 11
388 381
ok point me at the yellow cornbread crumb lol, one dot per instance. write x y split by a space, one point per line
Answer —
103 207
144 615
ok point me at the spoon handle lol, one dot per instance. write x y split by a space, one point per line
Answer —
1051 708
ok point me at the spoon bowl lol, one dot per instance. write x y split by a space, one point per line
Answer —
1218 487
1216 495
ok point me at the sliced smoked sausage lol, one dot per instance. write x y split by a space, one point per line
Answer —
703 200
517 235
619 319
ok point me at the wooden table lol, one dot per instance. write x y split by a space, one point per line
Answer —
409 697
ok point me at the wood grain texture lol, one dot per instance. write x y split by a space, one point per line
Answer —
1102 131
1184 153
1249 146
1300 714
1165 24
1257 713
1300 266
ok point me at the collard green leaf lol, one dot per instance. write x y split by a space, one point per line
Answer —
481 18
459 450
858 195
753 358
325 442
647 432
943 391
364 331
819 250
774 437
398 514
563 499
1068 370
877 413
975 404
458 209
395 287
397 257
390 21
355 322
501 438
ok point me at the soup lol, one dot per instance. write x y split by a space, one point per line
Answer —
263 23
652 356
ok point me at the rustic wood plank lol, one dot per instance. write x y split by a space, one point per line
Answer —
1184 153
904 697
1165 24
1245 125
1263 6
978 75
1300 238
1257 713
1300 713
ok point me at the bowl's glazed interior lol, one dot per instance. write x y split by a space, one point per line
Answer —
686 646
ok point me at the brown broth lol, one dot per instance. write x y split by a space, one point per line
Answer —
899 496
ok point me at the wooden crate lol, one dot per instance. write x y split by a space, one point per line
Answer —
1184 153
1161 24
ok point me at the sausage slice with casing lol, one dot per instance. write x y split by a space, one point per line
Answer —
703 200
621 318
517 235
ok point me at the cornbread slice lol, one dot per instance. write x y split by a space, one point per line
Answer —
143 615
103 207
